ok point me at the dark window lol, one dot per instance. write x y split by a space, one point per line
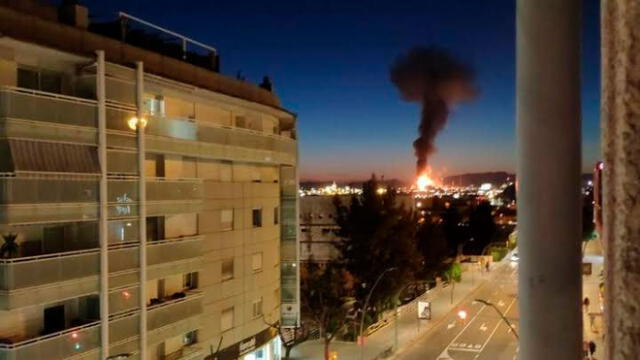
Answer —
256 216
48 81
190 338
190 281
276 215
28 79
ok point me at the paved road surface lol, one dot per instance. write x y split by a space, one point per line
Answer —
482 335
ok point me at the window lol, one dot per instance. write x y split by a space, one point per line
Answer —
226 320
256 262
326 231
190 338
226 219
42 80
190 281
257 308
276 215
256 216
255 175
227 269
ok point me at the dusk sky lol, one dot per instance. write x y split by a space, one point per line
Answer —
329 61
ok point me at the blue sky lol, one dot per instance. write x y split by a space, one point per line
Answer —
329 62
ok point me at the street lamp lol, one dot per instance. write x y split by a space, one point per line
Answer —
504 318
364 309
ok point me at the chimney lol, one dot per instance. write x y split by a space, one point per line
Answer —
71 12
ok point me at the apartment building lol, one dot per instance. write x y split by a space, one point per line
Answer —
148 204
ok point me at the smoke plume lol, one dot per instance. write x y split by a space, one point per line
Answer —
437 80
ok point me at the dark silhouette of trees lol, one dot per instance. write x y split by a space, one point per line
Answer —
325 293
377 234
482 228
432 245
453 231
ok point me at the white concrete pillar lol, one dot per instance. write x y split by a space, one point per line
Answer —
620 121
142 207
548 175
103 209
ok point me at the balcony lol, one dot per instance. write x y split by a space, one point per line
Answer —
19 274
59 345
164 319
26 104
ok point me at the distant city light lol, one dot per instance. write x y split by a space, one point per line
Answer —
486 187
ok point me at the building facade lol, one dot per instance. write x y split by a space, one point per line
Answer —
148 204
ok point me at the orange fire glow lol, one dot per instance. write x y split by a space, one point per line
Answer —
423 182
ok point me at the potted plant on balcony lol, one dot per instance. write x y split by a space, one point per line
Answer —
10 247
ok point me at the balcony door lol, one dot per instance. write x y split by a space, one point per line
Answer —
54 319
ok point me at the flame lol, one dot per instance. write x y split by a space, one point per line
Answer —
423 182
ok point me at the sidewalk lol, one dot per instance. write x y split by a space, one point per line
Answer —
409 327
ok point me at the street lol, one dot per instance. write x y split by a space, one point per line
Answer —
482 334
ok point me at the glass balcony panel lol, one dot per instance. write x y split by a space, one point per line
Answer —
124 299
56 346
124 326
37 191
164 251
125 258
164 189
45 269
174 310
40 106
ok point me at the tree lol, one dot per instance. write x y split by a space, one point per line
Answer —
453 274
325 293
432 245
377 234
453 232
482 228
290 337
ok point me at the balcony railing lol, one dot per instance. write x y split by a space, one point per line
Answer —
26 104
59 345
38 270
172 311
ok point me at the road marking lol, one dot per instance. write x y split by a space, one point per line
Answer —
451 326
501 303
497 325
483 327
445 353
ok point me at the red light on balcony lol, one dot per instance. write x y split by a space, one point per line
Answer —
74 335
126 294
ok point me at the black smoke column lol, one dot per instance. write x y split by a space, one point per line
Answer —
437 80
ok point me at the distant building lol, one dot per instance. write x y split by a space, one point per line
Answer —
318 228
200 251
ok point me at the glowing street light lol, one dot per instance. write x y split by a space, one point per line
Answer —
462 314
133 122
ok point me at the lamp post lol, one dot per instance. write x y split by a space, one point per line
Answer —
504 318
364 308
